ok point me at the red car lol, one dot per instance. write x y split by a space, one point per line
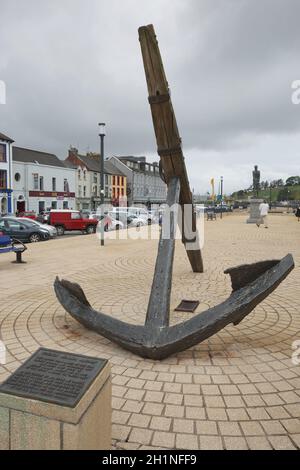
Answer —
65 220
28 215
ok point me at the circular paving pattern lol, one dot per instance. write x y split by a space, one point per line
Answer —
237 390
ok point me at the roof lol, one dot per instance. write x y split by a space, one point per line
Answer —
131 158
69 164
111 169
94 164
35 156
4 137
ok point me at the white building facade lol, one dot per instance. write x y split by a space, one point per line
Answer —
41 182
6 175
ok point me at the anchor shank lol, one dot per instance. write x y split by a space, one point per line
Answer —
159 302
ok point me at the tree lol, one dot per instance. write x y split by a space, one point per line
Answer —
285 195
292 181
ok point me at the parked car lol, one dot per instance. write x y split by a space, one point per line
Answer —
28 215
122 213
43 217
115 224
223 208
135 221
69 220
23 230
52 230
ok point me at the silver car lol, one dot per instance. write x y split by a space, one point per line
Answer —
52 230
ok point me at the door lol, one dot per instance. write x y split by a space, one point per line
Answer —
41 206
20 206
17 229
76 221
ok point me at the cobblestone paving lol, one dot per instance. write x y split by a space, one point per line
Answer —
237 390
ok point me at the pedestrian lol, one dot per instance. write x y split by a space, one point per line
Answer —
264 210
297 213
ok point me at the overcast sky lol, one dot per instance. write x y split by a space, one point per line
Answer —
69 64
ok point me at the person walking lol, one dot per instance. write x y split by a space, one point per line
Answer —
297 213
264 210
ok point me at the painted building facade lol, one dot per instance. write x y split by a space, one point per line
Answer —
6 175
87 168
144 184
41 181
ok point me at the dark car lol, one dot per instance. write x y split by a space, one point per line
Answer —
23 231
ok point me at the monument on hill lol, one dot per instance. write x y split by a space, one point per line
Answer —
255 202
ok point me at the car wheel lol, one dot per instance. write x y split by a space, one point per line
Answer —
90 229
34 238
60 230
117 227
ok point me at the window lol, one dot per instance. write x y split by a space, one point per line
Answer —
2 153
53 184
79 173
15 225
84 191
35 181
54 205
17 176
95 178
41 206
118 180
75 216
65 205
41 183
3 179
114 180
66 186
106 179
84 174
79 191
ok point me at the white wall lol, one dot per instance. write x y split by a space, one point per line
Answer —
26 184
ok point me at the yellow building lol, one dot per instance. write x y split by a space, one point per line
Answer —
118 183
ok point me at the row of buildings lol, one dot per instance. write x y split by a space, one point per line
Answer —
31 180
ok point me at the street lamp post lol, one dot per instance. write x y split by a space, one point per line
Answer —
221 197
102 191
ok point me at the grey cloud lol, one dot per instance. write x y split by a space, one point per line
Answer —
69 64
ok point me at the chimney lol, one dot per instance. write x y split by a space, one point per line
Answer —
73 151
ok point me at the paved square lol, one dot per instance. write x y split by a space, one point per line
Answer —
238 389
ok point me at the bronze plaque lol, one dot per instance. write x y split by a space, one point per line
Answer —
54 377
187 306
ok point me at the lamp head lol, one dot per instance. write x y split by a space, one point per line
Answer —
101 128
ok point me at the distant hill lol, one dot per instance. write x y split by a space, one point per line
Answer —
282 193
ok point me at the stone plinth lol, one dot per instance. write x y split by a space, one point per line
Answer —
254 216
72 413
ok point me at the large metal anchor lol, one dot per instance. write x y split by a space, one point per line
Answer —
251 284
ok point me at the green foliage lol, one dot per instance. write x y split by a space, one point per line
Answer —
293 181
